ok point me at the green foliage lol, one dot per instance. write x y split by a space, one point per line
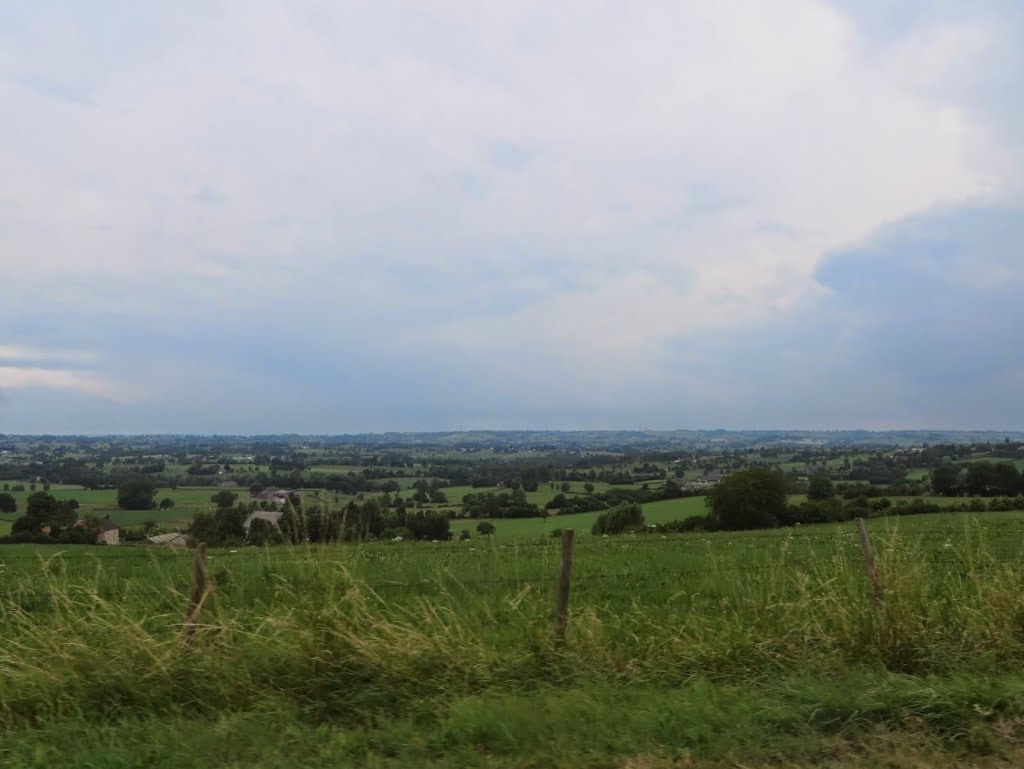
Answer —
166 503
754 498
429 526
42 509
512 504
224 498
618 519
203 528
137 493
486 528
263 532
946 480
819 488
8 504
557 502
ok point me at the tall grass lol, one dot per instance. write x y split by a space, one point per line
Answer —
365 633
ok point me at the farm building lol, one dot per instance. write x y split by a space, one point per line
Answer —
174 539
267 515
109 533
279 496
706 480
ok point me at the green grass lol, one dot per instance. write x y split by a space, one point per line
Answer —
699 724
103 502
730 647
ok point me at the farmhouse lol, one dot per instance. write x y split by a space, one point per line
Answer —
279 496
706 480
108 532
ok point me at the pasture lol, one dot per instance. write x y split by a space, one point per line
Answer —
188 500
725 646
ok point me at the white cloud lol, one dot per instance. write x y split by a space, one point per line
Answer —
669 168
21 352
24 377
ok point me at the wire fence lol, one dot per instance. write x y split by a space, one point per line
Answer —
589 574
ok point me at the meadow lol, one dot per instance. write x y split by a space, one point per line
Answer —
685 650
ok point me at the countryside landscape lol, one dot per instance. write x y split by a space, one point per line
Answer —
412 621
511 385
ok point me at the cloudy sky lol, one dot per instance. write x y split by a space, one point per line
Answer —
315 216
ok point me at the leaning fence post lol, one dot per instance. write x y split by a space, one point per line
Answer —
877 592
195 601
564 580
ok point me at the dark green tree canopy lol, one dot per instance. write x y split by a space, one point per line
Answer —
136 494
754 498
820 487
946 480
42 509
224 498
618 519
8 504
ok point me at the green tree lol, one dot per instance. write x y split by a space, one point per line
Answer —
166 503
432 526
263 532
136 494
754 498
41 509
230 524
628 515
224 498
819 488
486 528
8 504
1006 479
981 479
946 480
203 528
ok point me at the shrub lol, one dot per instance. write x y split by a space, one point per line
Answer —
693 523
749 499
429 526
618 519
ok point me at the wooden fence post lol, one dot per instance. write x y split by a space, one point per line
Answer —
195 601
564 580
877 592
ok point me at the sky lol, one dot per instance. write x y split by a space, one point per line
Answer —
260 216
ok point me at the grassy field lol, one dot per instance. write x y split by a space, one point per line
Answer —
103 502
715 649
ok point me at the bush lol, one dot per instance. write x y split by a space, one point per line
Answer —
557 503
749 499
136 494
619 519
693 523
831 510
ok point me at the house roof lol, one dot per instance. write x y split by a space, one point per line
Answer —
267 515
105 524
174 538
